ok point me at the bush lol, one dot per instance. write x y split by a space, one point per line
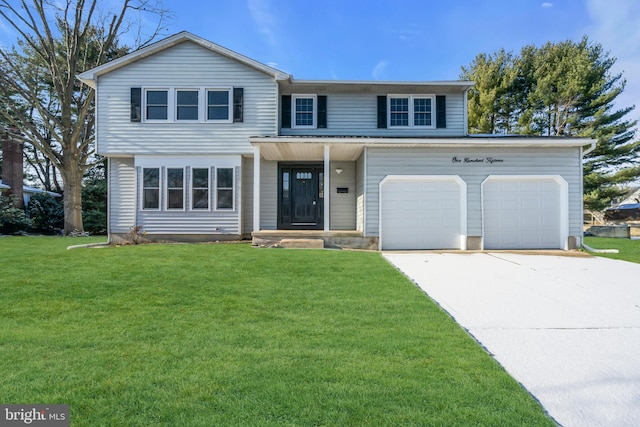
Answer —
46 212
12 219
94 205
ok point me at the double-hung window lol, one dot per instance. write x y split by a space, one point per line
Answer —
175 188
199 188
219 105
186 104
151 188
399 111
304 111
411 111
224 188
157 104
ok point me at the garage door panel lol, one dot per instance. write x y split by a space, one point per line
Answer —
421 213
522 213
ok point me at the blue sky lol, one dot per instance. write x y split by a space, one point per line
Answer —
405 39
408 39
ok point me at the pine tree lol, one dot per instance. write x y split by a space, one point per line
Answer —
560 89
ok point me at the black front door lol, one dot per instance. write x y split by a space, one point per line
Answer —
300 196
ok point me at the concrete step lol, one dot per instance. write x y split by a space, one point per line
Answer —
302 243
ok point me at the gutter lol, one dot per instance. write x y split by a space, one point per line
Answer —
590 149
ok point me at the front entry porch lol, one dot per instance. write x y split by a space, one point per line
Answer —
336 239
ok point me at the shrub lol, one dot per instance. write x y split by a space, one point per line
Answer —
94 204
12 219
46 212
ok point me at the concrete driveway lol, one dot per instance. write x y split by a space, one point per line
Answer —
566 327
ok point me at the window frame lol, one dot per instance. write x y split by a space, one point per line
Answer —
229 91
314 112
146 104
217 188
192 188
167 189
411 101
197 105
158 188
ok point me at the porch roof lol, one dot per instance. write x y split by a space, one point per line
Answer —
349 148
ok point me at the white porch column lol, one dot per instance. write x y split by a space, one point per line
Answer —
256 188
327 188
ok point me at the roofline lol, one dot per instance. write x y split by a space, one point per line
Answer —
89 77
463 141
461 83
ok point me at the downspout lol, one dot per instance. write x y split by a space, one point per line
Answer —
466 112
584 245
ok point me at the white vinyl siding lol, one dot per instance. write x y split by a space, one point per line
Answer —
268 195
360 192
356 114
342 205
564 162
247 195
117 135
122 195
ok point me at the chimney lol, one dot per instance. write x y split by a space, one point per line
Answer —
12 165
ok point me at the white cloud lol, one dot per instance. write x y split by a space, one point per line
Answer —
615 27
547 4
379 70
405 34
261 13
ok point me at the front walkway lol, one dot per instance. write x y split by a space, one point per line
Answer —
567 328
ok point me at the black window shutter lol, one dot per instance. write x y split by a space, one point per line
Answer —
322 111
136 104
238 95
285 109
441 111
382 112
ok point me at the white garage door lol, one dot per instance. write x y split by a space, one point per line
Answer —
422 212
524 212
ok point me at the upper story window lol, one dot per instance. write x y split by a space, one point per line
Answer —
223 105
411 111
157 103
186 104
399 111
219 106
304 111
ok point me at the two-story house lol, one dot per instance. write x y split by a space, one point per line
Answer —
205 144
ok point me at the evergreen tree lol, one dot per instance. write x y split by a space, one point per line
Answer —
560 89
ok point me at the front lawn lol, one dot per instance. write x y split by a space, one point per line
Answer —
629 250
227 334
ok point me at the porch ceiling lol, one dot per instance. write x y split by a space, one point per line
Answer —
308 151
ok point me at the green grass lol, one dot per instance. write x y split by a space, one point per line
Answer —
203 335
629 250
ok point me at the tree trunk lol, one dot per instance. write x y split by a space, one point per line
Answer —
12 167
72 198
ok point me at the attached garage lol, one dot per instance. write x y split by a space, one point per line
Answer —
423 212
525 212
